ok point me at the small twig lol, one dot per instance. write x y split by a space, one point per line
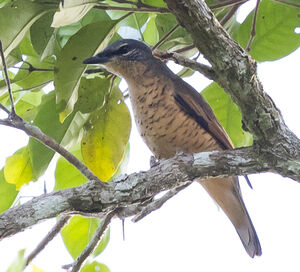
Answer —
92 244
93 71
228 3
157 204
13 111
4 109
139 3
35 132
52 233
179 59
288 3
167 35
253 30
184 49
146 10
31 68
229 14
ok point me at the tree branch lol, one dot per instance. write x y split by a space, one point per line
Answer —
52 233
93 242
145 10
180 59
129 192
17 122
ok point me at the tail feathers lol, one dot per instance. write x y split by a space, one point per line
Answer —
226 192
249 237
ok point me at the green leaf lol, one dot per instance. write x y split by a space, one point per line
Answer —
78 233
67 175
227 113
26 106
71 12
105 136
275 31
178 39
151 34
91 94
69 66
18 264
17 169
31 79
8 193
186 72
47 119
41 32
15 21
94 266
156 3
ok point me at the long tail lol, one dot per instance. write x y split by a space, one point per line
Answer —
226 192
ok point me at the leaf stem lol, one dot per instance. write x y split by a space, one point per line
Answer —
13 111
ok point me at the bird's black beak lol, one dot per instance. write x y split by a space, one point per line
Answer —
98 59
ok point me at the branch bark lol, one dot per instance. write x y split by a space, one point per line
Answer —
128 193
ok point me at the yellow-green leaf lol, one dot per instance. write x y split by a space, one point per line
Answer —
18 264
105 136
17 169
8 193
78 233
94 266
36 269
227 113
67 175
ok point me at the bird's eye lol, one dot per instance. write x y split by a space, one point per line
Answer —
123 49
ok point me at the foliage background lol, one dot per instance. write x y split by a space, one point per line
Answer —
178 234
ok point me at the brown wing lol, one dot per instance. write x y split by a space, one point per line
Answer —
194 104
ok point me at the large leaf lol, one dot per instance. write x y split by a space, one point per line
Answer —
47 119
69 68
16 19
227 113
67 175
41 33
105 136
151 34
91 94
17 169
275 31
79 232
8 193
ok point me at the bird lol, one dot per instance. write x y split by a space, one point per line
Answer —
172 117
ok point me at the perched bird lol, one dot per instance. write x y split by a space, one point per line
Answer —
172 117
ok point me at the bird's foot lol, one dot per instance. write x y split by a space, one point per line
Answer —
153 161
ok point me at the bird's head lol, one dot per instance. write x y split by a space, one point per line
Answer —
118 56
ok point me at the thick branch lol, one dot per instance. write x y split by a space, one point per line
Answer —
98 197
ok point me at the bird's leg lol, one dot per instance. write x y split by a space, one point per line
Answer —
153 161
